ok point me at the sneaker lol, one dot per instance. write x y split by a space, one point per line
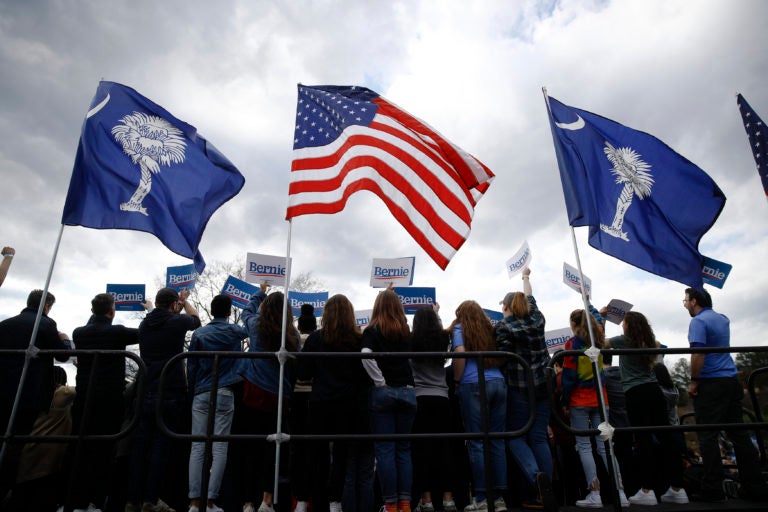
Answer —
477 506
673 496
301 506
266 508
248 508
450 506
426 507
193 508
214 508
593 500
402 506
499 505
644 498
334 506
546 493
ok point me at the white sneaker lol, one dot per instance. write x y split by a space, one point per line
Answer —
499 505
673 496
266 508
644 498
214 508
334 506
476 506
593 500
301 506
248 508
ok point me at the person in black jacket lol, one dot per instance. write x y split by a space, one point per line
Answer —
98 407
161 336
37 389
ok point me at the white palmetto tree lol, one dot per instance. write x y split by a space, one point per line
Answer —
150 141
632 172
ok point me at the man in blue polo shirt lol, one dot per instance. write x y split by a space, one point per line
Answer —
717 393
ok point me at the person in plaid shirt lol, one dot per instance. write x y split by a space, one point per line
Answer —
522 333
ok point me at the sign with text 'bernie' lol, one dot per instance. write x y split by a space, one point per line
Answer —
395 271
494 316
715 272
556 339
363 318
414 298
519 261
616 309
571 278
239 291
318 300
181 278
263 268
128 297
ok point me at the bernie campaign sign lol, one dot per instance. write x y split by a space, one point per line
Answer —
318 300
394 271
494 316
181 278
715 272
239 291
414 298
264 268
128 297
519 261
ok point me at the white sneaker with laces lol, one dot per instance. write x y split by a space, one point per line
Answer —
475 506
248 508
644 498
623 498
593 500
449 506
301 506
673 496
266 508
425 507
334 506
214 508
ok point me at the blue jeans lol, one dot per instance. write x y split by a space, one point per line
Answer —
581 417
392 412
496 398
225 410
531 451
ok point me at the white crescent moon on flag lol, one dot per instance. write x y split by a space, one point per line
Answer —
98 107
576 125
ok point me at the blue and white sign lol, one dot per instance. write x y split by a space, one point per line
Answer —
571 278
181 278
128 297
263 268
494 316
363 318
414 298
616 309
519 261
395 271
556 339
239 291
715 272
318 300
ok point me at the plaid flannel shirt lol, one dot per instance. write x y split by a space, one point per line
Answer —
524 337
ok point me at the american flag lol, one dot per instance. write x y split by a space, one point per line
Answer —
350 139
758 138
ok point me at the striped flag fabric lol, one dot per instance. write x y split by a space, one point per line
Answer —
758 139
349 139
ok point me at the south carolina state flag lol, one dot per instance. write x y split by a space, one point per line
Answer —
138 167
644 203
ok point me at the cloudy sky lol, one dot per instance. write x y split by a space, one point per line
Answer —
473 70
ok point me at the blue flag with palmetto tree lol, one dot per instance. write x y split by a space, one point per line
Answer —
644 203
140 168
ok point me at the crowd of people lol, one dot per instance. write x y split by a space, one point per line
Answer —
478 378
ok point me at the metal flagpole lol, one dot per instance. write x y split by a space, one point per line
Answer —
31 349
282 357
606 430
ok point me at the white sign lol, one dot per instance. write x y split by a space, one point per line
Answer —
571 278
616 310
363 318
398 271
556 339
519 261
262 268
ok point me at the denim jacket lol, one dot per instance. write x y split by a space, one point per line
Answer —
219 335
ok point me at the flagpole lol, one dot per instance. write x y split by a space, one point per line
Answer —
31 349
282 356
